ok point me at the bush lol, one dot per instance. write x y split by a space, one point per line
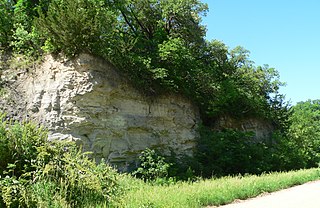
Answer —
231 152
25 38
83 182
304 131
38 173
287 155
152 166
19 147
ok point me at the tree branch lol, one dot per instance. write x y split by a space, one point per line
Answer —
128 22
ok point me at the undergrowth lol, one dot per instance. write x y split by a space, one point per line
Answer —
37 173
207 192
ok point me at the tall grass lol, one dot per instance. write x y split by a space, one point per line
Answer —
210 192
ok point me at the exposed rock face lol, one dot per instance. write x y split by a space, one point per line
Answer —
262 129
86 100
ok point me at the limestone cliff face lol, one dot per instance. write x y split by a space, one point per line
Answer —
262 128
86 100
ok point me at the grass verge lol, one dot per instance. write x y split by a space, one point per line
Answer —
210 192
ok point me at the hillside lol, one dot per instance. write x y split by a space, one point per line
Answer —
128 75
92 88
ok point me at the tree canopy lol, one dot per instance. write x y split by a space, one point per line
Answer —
159 45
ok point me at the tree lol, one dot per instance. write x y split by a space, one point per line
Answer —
77 26
6 22
304 131
160 46
149 29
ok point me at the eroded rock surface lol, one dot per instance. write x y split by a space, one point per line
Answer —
88 101
261 128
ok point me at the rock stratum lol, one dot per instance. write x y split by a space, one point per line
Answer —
85 99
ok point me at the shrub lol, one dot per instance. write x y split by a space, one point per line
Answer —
83 182
231 152
19 145
38 173
152 166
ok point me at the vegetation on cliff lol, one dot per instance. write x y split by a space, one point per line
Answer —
159 45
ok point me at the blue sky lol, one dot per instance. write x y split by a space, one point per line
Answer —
285 34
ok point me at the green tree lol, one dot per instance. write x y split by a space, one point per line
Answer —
25 38
77 26
6 22
150 29
304 131
160 46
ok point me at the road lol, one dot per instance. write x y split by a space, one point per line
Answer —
303 196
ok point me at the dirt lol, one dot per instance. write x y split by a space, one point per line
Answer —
302 196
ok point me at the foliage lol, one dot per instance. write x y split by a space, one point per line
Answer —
246 89
152 166
148 29
159 45
18 147
285 153
304 132
298 145
6 22
25 38
82 180
38 173
231 152
76 26
183 167
293 146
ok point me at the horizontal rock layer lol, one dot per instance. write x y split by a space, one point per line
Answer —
86 100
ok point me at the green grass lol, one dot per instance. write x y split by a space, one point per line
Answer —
209 192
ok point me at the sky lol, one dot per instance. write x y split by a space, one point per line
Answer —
285 34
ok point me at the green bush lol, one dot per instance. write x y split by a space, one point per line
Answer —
19 147
38 173
25 38
231 152
286 153
83 182
305 131
152 166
